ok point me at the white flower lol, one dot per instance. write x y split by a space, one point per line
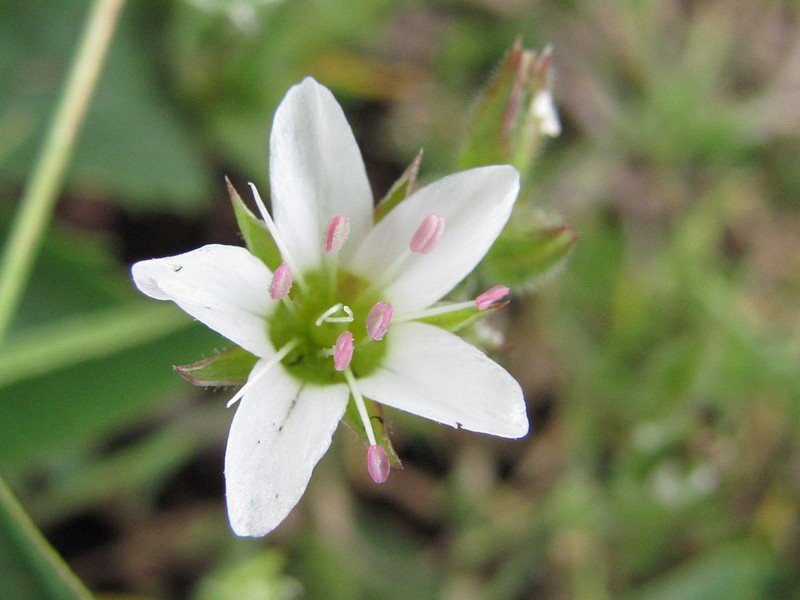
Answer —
349 327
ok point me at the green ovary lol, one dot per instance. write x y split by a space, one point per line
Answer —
311 361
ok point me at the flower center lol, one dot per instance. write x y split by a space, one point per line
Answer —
317 316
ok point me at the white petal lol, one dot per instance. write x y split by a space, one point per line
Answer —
434 374
316 172
280 431
475 204
224 287
544 109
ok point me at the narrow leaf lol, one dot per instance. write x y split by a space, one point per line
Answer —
29 567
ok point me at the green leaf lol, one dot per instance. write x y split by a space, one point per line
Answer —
88 356
400 190
255 233
78 403
226 368
527 252
137 469
73 340
375 412
29 568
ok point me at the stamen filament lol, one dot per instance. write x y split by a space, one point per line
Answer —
273 230
434 311
362 409
425 239
321 319
389 273
484 301
263 369
287 302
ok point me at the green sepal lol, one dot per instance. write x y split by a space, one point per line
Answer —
459 319
527 251
504 129
226 368
487 136
400 190
375 412
256 236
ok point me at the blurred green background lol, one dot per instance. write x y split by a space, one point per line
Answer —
660 367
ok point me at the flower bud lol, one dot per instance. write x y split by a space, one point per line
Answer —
515 113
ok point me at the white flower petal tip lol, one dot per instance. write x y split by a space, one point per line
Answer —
316 171
280 431
475 205
435 374
231 301
378 463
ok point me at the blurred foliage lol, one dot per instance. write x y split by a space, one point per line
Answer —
660 367
30 568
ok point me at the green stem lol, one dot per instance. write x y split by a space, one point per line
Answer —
38 200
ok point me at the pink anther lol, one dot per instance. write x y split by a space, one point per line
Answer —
378 463
337 234
490 296
281 282
378 320
428 234
343 351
